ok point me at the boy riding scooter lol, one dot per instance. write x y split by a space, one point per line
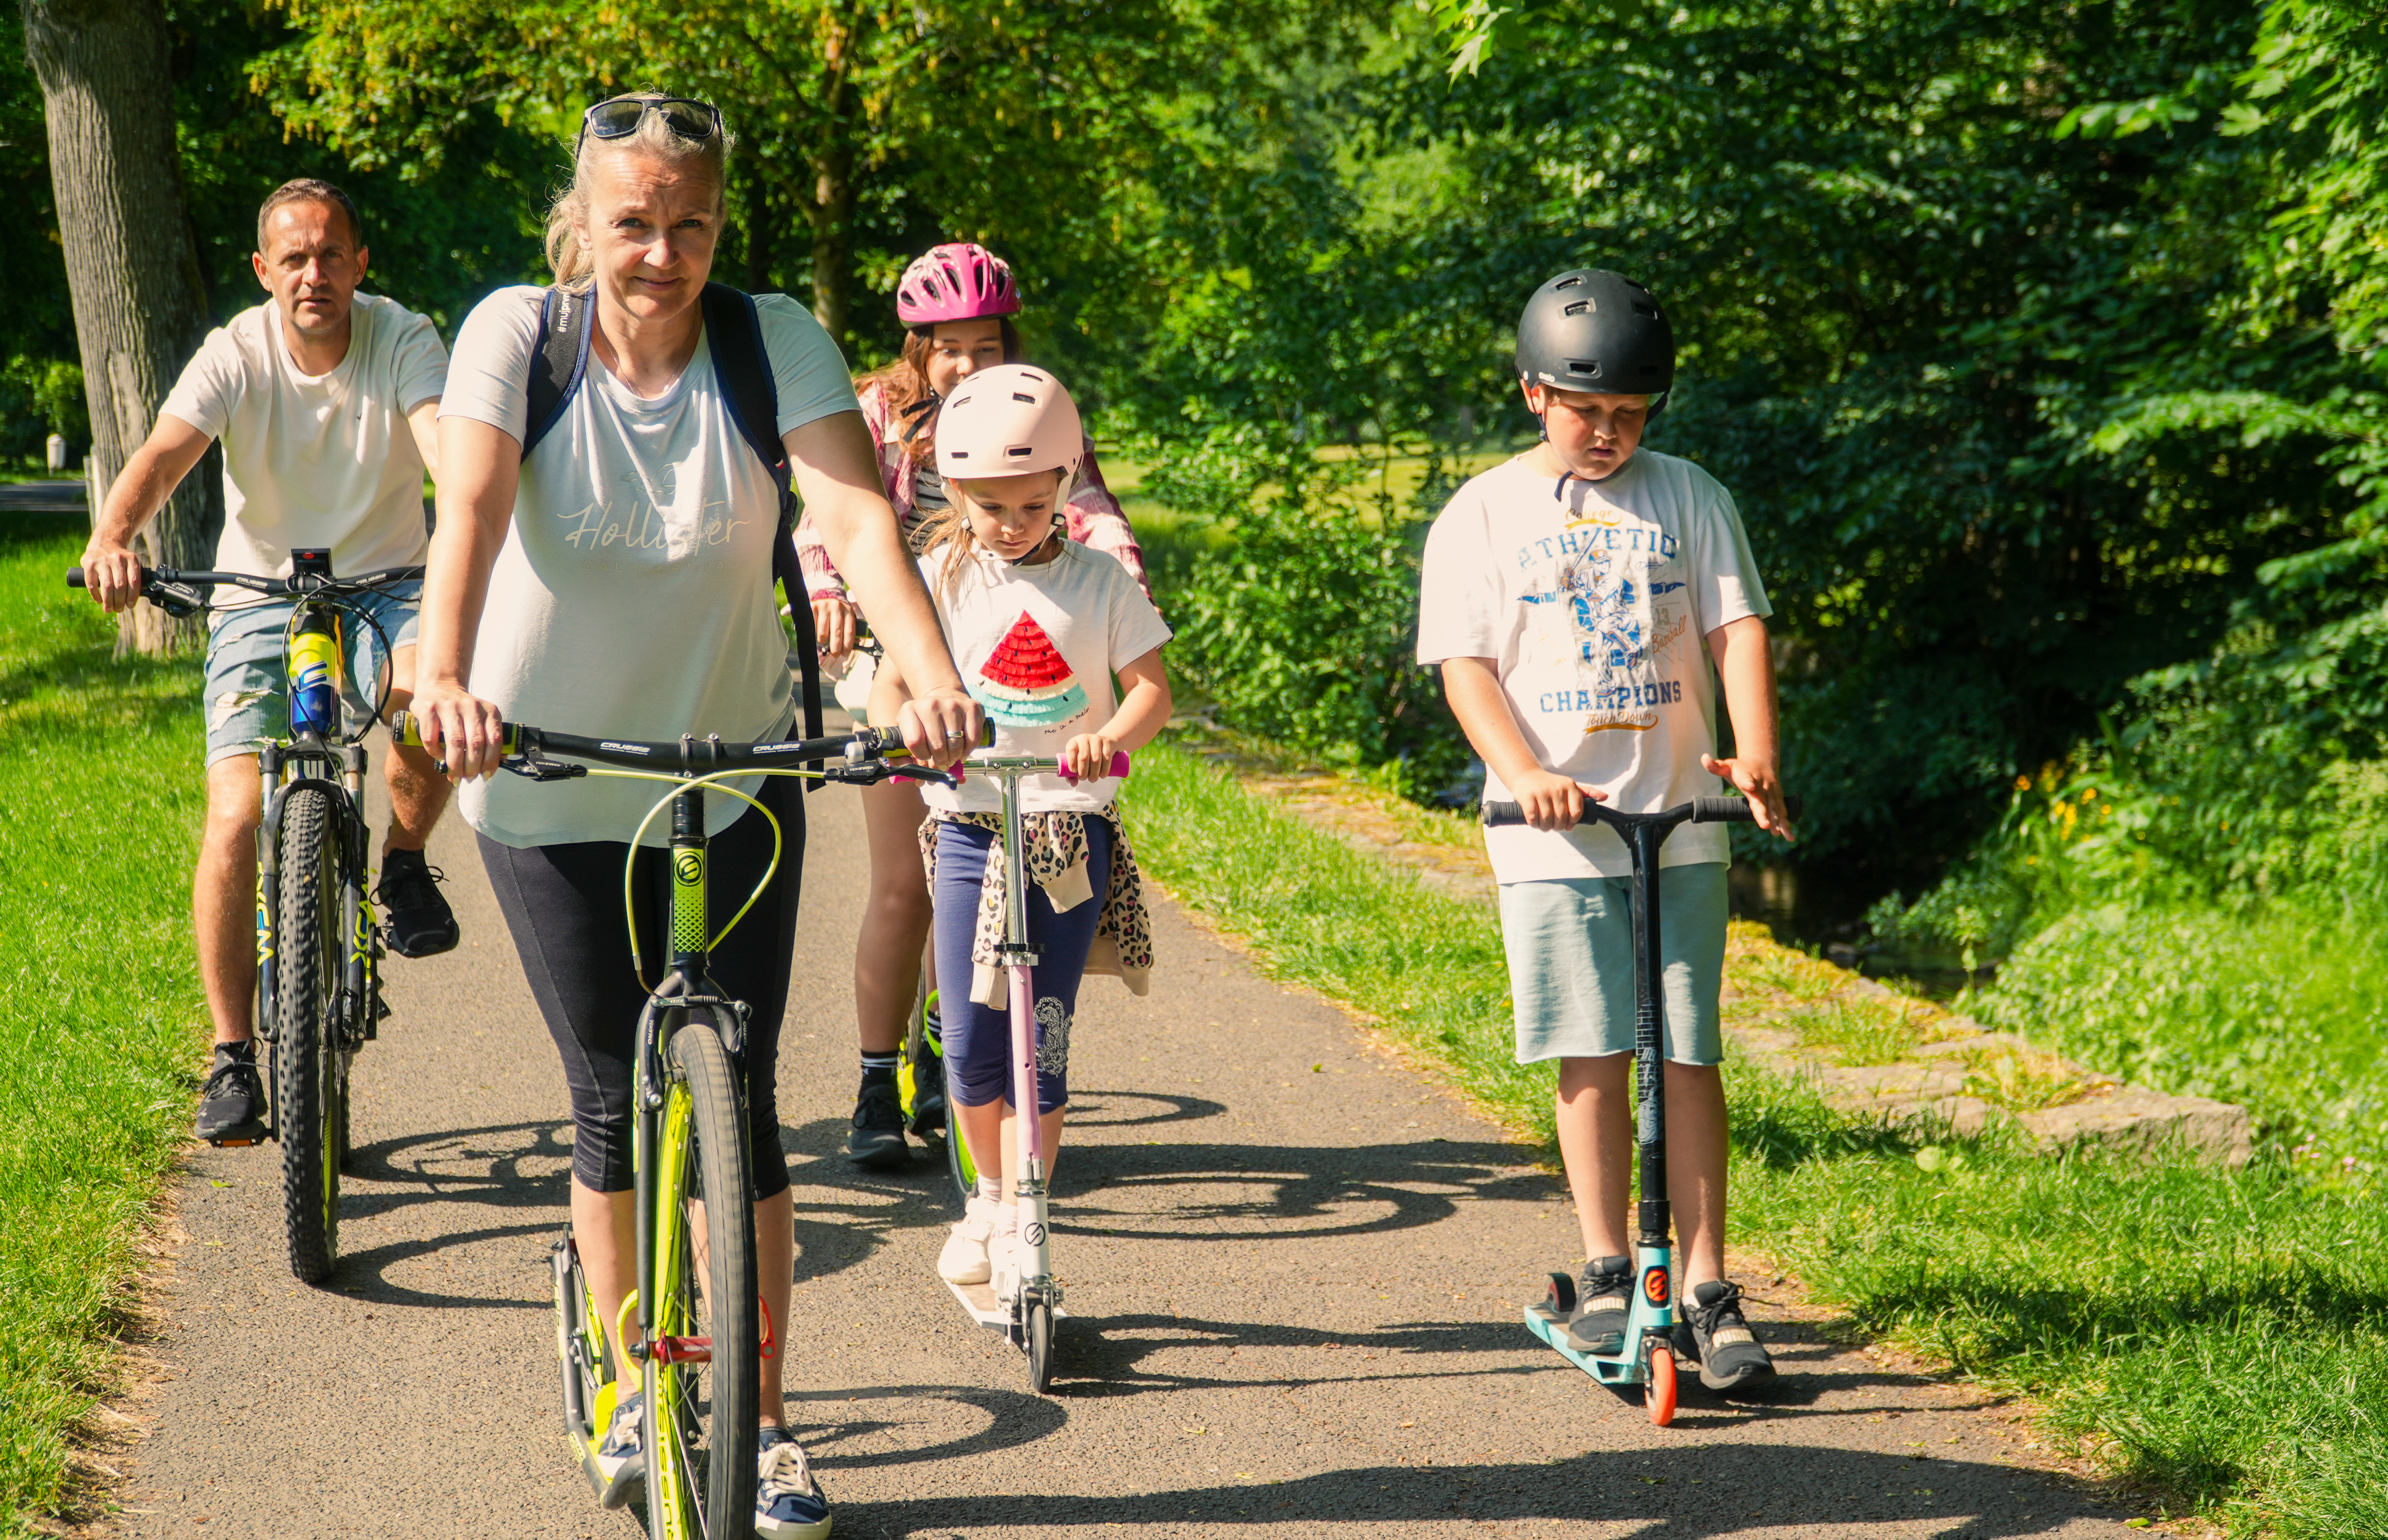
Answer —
1568 595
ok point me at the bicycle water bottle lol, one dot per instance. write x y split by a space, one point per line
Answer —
314 660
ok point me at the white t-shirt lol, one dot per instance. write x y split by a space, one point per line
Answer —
316 460
632 598
1594 600
1037 647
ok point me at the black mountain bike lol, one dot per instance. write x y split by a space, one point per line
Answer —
318 950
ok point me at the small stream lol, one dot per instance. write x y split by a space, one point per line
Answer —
1822 911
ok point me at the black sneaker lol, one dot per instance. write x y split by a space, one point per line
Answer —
1712 1331
1597 1323
232 1104
420 922
876 1143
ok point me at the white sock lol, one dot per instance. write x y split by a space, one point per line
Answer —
990 1188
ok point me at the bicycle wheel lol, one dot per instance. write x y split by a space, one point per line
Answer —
701 1414
310 1070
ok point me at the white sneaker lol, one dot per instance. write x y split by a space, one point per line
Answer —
964 1260
1003 1256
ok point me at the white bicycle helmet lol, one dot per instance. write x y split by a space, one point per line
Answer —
1008 421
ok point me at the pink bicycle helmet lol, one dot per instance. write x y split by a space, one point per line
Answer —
958 281
1008 421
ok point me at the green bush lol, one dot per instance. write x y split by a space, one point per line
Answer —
1300 618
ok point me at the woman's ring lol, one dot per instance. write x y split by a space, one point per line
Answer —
954 735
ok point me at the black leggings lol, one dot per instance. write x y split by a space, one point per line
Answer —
563 905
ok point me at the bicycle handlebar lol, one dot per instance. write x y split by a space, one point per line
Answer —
694 754
1700 809
180 591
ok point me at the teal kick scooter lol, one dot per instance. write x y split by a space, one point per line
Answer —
1647 1355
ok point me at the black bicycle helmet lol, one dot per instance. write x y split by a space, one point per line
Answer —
1600 332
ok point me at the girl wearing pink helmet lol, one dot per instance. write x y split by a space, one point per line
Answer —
1038 625
957 302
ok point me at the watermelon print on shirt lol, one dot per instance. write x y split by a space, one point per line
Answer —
1026 681
1037 647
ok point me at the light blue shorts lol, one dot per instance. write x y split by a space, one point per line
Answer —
1570 945
248 695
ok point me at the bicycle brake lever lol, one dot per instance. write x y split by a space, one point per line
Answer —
541 770
179 599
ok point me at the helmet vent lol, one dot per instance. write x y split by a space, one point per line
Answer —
1584 367
1573 280
1581 307
956 455
1019 452
1023 396
1644 308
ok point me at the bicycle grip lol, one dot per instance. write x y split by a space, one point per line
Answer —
75 577
1118 770
406 731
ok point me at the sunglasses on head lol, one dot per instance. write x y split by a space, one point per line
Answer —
685 116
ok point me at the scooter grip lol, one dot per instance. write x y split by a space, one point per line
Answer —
75 577
1118 770
1733 809
1502 815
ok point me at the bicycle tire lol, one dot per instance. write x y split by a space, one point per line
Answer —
695 1418
308 1066
959 1165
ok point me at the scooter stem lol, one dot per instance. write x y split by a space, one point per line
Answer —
1650 1037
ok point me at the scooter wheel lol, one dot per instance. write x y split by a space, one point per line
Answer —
1658 1385
1561 1297
1039 1330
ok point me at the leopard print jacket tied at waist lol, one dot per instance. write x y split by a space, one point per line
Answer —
1054 845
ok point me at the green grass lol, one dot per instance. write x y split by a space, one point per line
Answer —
2282 1006
2218 1339
100 1013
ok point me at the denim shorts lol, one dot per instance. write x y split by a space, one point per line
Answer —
247 694
1570 945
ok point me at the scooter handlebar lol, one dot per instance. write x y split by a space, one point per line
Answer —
1705 809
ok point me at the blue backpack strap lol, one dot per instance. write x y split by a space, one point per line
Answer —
559 359
742 365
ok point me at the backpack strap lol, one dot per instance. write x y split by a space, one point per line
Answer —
559 361
742 366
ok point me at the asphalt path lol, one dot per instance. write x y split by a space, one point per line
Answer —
1294 1268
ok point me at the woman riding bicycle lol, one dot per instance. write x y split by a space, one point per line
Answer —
618 580
957 303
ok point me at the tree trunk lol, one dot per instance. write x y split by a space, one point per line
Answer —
831 210
134 272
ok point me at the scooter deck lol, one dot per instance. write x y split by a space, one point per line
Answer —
985 1308
1552 1328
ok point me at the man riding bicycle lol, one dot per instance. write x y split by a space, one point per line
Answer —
325 401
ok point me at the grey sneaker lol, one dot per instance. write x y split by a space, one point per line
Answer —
1597 1324
1712 1331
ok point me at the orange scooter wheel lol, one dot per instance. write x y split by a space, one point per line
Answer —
1658 1388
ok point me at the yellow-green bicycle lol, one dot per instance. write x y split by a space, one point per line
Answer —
318 953
700 1330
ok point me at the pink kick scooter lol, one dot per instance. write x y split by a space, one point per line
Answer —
1027 1320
